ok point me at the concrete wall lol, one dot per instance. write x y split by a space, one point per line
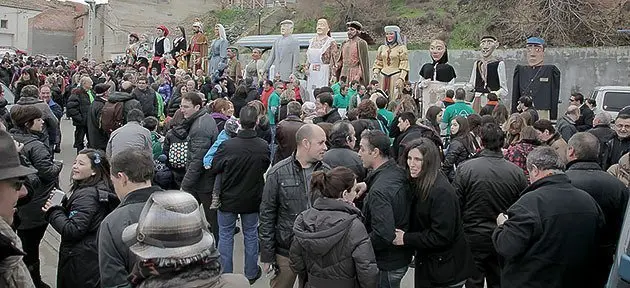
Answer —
582 68
17 26
52 43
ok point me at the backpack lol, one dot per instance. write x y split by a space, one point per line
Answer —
178 154
112 116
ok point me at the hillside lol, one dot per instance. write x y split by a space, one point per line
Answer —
568 23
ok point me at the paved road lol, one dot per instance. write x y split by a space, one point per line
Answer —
50 245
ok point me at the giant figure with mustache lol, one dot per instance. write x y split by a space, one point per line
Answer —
488 74
538 81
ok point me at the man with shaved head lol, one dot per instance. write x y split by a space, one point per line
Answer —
566 126
286 194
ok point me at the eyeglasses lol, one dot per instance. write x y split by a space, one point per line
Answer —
17 183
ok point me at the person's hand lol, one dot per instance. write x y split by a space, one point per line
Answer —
267 268
501 219
399 240
47 206
19 146
360 188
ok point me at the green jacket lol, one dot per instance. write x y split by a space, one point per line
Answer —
156 145
340 101
336 88
459 108
273 104
160 101
387 114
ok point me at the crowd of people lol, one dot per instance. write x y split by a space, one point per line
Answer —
348 191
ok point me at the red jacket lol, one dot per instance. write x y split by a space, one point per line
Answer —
264 97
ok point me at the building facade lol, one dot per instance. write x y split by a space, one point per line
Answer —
14 17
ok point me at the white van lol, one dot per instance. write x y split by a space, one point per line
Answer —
611 98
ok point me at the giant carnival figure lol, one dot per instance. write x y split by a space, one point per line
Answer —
488 74
198 49
132 49
436 76
218 52
180 50
353 60
143 52
538 81
321 53
255 69
161 48
391 66
285 54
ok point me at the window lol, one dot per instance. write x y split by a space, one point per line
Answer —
4 24
615 101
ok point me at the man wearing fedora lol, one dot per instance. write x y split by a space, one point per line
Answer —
174 246
13 271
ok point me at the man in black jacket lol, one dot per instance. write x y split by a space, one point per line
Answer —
242 161
610 193
77 108
386 207
601 129
97 137
549 236
410 131
342 140
325 111
620 144
585 121
286 194
147 97
486 186
131 173
6 74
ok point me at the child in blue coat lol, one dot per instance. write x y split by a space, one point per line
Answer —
230 129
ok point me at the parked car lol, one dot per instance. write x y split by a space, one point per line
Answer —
611 98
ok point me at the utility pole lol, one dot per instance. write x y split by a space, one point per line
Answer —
91 16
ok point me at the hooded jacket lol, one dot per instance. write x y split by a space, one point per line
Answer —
51 123
128 101
332 247
147 99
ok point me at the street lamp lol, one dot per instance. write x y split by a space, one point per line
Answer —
259 15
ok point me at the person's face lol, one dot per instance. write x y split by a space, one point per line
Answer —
195 29
44 94
38 125
316 146
216 31
454 127
390 36
10 191
184 90
362 90
622 126
82 168
377 85
403 125
322 27
438 118
366 153
573 101
154 71
142 84
199 72
256 55
224 84
354 86
190 85
229 112
535 55
321 108
97 70
543 136
487 47
87 85
159 32
286 29
352 32
437 49
352 140
230 53
131 40
188 109
26 76
520 107
414 161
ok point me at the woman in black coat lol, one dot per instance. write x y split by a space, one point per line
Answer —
36 152
460 149
173 104
436 232
28 77
331 247
90 199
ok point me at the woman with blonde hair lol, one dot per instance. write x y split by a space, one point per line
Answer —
512 128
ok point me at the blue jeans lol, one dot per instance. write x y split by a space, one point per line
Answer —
391 279
227 222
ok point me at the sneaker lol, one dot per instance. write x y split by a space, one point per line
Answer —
258 275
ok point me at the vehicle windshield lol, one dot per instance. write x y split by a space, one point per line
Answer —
615 101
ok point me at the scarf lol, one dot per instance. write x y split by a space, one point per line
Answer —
13 271
150 268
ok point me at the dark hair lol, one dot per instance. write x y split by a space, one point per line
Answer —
150 123
431 115
248 117
492 137
316 91
339 134
372 82
241 92
463 126
578 97
367 110
135 115
23 116
333 183
460 94
29 91
544 124
500 114
381 102
474 123
343 79
450 93
294 108
326 127
407 116
493 97
269 82
142 78
485 119
431 164
585 145
591 102
377 139
100 167
526 101
325 98
136 164
194 98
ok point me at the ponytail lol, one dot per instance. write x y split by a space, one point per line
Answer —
331 184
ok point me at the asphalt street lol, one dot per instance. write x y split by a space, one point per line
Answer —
50 245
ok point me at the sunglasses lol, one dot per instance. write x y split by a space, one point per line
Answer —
17 183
